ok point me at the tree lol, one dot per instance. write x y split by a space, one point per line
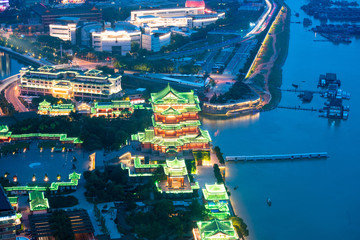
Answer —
213 99
135 47
240 226
61 226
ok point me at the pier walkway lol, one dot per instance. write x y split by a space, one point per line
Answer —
302 91
278 157
300 108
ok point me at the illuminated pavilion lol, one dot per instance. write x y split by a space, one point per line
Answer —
215 229
45 108
176 125
176 173
216 200
38 202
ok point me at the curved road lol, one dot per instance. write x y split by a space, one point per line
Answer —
12 94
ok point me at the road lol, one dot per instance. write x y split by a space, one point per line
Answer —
12 94
260 26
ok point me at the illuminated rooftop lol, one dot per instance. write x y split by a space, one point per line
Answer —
216 229
215 192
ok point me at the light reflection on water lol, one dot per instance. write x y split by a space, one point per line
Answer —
219 123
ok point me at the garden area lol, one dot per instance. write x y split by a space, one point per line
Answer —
96 133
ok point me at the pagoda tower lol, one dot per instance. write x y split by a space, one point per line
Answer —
176 125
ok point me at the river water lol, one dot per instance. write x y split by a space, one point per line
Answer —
8 65
313 199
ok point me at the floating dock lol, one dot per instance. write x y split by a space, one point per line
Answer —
278 157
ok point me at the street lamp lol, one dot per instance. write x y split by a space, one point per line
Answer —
58 177
15 178
46 178
33 178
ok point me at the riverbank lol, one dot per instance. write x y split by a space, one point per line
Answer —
21 57
265 74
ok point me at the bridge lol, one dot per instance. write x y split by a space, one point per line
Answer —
298 156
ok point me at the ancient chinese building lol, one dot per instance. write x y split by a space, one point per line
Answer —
176 125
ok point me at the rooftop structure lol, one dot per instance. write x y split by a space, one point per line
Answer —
215 192
137 167
167 12
190 17
215 229
45 108
216 200
37 201
115 108
176 173
175 124
7 218
69 83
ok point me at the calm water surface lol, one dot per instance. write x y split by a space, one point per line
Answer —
315 199
8 65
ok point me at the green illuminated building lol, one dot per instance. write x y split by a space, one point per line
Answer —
45 108
215 230
7 136
176 125
54 186
115 108
216 200
38 202
176 173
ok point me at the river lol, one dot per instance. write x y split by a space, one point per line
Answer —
9 65
312 199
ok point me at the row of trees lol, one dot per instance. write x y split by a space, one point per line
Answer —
105 186
163 222
44 47
165 66
97 133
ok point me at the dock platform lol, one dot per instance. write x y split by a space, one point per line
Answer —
297 156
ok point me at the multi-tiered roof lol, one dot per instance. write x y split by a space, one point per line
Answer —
175 123
175 168
216 192
215 229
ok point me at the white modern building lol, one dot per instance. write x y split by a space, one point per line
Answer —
167 12
117 39
69 83
191 17
154 40
156 21
65 28
111 41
